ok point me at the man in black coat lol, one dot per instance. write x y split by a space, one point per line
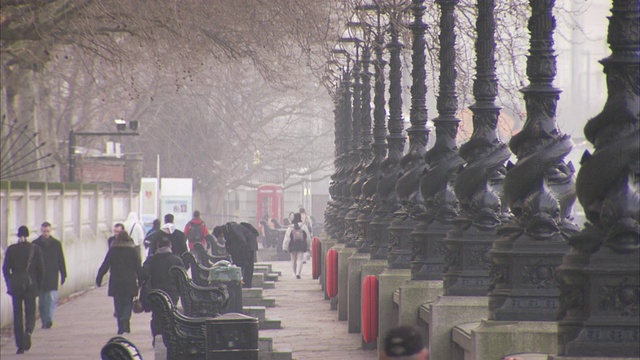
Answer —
156 270
20 258
53 265
242 244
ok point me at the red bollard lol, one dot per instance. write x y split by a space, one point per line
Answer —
332 273
370 309
316 248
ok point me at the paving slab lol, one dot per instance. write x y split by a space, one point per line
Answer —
309 327
81 327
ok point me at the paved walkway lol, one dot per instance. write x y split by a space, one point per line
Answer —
310 329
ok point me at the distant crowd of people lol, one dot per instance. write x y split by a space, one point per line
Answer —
37 269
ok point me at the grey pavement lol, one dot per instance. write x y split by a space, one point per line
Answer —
309 328
84 323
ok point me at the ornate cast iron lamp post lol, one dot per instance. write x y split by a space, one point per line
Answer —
539 189
372 170
357 158
390 168
362 199
334 74
442 161
478 186
344 130
408 186
599 299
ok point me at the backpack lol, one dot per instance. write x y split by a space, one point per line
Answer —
195 233
298 240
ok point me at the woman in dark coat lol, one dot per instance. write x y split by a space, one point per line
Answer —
15 264
123 262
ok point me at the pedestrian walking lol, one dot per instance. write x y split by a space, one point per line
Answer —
178 239
117 228
156 271
297 242
54 270
123 263
135 229
23 271
306 219
155 227
196 230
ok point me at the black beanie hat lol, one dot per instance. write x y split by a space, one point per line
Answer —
23 231
403 341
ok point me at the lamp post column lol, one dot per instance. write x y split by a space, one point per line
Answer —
390 167
407 187
601 274
72 156
478 186
540 191
442 161
379 145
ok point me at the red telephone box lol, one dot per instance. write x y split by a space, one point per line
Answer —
271 201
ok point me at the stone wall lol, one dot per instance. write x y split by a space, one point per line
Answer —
81 216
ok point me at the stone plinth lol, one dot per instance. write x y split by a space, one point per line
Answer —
445 313
412 295
354 299
388 282
489 339
343 285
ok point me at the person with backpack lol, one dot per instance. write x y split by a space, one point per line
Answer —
296 242
195 231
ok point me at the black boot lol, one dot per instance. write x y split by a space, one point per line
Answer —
120 327
27 341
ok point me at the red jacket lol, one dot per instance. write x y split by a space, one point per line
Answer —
196 222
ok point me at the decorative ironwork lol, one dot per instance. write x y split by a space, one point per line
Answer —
442 161
183 336
603 261
334 203
199 273
538 189
539 274
479 184
203 257
342 186
20 154
366 155
413 165
621 298
369 187
199 301
390 167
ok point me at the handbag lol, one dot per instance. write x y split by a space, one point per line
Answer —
137 305
145 289
20 282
